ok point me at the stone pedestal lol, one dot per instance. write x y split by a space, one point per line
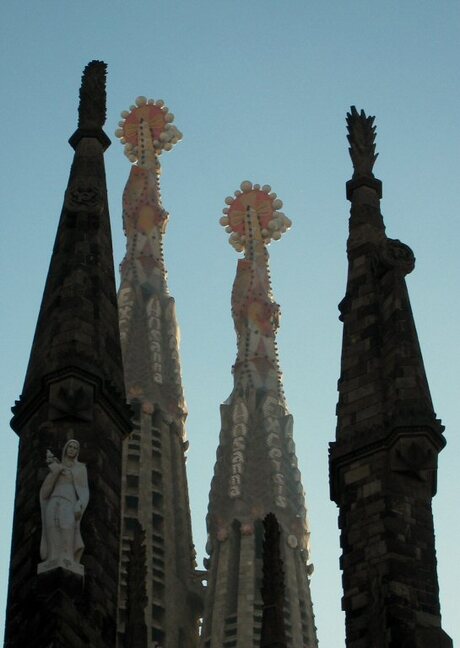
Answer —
61 563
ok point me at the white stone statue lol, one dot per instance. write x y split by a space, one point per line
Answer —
64 496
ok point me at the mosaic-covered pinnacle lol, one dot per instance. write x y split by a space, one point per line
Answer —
146 130
361 136
252 217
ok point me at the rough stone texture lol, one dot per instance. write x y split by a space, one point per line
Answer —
73 389
383 463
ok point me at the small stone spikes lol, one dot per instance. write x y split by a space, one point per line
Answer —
361 136
92 107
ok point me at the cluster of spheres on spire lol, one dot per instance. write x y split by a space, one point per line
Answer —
260 201
156 115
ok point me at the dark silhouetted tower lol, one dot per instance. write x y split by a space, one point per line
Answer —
73 390
383 463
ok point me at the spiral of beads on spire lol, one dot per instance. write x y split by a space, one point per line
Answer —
273 223
159 120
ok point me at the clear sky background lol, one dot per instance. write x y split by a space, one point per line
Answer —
260 89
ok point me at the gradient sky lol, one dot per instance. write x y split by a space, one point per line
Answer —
260 90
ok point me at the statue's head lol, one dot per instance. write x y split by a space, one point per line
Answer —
71 450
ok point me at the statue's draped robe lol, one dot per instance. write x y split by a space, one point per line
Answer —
60 494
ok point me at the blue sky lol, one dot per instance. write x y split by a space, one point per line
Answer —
260 90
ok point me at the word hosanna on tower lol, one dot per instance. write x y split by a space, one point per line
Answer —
102 553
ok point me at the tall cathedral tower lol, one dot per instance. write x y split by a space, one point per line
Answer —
160 597
383 463
258 572
71 420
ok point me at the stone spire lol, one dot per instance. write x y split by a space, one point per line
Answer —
71 420
155 493
383 463
75 320
256 471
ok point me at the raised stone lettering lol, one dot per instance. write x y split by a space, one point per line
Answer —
239 443
239 429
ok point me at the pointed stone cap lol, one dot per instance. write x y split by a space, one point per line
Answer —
77 331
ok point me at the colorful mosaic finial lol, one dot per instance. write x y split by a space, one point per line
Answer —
252 220
146 130
252 215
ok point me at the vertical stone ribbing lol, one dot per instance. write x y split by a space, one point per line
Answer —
215 631
383 463
73 390
246 591
273 634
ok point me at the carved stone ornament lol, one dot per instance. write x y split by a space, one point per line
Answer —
71 397
64 497
147 407
247 529
361 137
84 196
92 109
416 459
398 256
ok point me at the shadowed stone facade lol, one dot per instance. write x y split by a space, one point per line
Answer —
73 389
273 633
383 463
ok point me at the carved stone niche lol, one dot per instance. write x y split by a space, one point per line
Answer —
397 256
416 457
71 397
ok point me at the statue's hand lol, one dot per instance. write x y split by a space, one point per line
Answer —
55 467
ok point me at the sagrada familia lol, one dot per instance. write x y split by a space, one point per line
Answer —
102 552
